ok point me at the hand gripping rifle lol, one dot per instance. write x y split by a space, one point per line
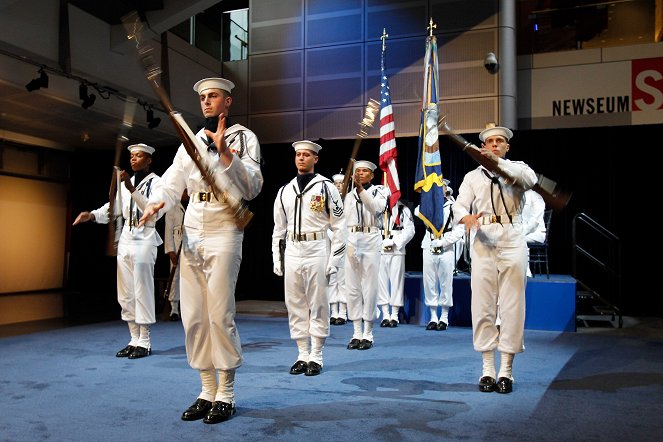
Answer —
547 188
371 110
193 146
115 215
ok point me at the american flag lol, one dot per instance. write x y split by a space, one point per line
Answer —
388 151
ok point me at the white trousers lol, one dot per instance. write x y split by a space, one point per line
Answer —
438 278
362 269
174 294
498 275
336 290
135 281
306 289
209 265
392 280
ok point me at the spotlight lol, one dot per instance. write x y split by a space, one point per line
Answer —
151 121
88 100
39 82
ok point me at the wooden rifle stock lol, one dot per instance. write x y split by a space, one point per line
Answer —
555 198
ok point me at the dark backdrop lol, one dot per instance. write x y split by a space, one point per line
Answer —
610 175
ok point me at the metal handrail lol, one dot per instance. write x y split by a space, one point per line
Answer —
613 269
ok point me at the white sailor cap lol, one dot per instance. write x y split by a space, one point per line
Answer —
364 165
497 130
308 145
141 147
213 83
338 178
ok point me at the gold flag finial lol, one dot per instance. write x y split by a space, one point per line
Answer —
384 39
430 27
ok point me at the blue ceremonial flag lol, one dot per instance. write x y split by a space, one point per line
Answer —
428 180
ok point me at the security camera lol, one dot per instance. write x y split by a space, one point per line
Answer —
490 62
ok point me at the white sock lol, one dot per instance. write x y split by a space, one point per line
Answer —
303 347
368 330
356 325
394 313
144 339
342 310
226 390
488 363
134 330
209 385
385 311
506 361
444 315
334 310
317 345
433 314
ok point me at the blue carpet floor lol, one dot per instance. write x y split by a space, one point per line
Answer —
414 385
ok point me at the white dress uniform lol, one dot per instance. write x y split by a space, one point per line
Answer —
302 217
498 254
392 261
363 218
174 220
136 255
439 258
336 290
212 249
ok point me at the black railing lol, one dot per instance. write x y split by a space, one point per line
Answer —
596 271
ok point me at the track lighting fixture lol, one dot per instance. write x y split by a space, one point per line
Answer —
151 121
39 82
88 100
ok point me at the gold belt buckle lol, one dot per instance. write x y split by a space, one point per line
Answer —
494 218
204 196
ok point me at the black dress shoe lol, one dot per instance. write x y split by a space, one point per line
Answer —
384 323
365 344
354 344
487 384
393 323
299 367
174 317
441 325
140 352
332 321
340 321
504 385
431 326
220 412
313 369
198 410
126 351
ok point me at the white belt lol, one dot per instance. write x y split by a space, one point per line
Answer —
311 236
501 219
363 229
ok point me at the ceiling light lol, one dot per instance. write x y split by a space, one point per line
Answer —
151 121
39 82
88 100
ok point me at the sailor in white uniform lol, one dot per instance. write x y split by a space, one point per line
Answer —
364 208
439 260
491 205
172 242
337 299
303 211
212 246
398 231
136 250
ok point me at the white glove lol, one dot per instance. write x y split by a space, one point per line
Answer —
277 269
436 243
330 270
387 242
